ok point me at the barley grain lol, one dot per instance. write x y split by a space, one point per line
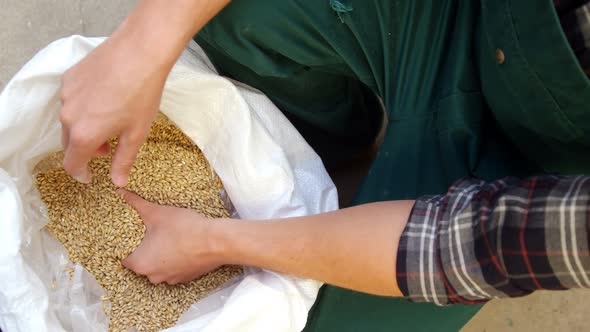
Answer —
98 229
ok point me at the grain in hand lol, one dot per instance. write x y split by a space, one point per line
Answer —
98 229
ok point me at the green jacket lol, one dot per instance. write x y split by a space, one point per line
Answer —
484 88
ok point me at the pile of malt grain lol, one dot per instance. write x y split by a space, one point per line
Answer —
98 229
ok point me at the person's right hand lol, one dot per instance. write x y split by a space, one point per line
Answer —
114 92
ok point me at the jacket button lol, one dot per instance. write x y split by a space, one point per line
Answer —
500 57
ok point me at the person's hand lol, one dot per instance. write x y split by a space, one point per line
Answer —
116 90
177 247
112 92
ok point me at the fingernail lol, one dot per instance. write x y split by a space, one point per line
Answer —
83 177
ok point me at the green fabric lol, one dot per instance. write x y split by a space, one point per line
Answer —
452 109
540 95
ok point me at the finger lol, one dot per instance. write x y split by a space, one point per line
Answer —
125 154
129 263
173 282
183 279
139 204
78 153
133 262
138 261
156 279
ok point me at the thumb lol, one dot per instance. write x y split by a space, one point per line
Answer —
134 261
139 204
129 261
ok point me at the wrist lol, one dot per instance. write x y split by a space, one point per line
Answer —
138 45
159 31
222 241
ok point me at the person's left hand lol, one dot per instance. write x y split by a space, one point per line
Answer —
177 246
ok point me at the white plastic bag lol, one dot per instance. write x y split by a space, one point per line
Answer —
267 168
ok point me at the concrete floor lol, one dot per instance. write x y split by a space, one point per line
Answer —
28 25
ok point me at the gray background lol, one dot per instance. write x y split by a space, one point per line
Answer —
26 26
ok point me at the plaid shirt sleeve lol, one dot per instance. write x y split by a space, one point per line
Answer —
492 240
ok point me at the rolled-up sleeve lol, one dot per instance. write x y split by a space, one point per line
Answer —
507 238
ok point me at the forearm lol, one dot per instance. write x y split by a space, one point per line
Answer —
353 248
160 29
480 241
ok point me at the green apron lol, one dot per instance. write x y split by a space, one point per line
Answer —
484 88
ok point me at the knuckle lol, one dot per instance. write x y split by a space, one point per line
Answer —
80 137
63 95
65 116
136 137
64 92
